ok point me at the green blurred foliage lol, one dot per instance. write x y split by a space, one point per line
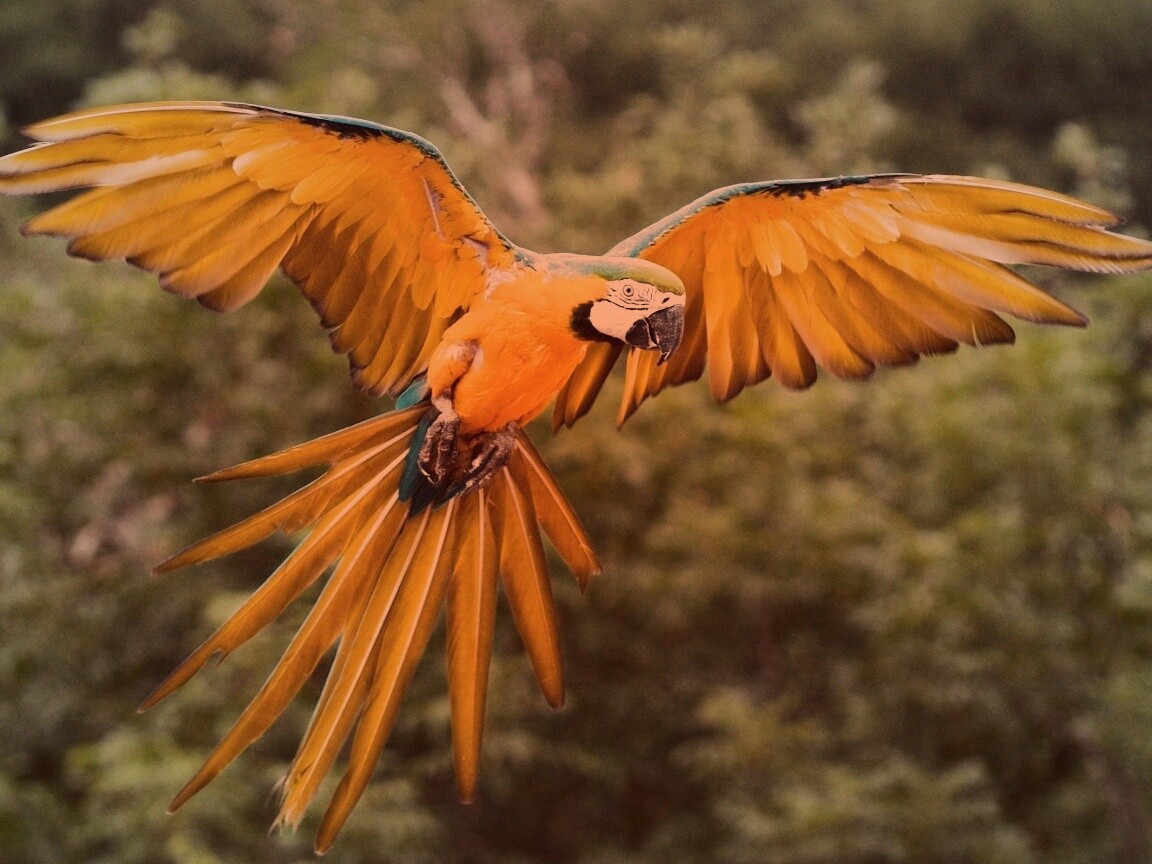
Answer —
903 622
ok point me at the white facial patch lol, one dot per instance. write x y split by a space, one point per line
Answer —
627 302
614 320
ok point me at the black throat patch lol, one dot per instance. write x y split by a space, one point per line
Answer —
581 324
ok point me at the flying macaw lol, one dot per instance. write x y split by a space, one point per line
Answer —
433 503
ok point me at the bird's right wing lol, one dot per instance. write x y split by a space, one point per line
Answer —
213 196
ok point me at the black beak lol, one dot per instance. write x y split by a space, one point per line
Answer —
661 331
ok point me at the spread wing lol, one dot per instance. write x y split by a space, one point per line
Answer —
368 221
850 274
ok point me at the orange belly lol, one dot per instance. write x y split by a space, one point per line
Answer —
511 383
524 351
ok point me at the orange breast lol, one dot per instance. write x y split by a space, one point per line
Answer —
524 351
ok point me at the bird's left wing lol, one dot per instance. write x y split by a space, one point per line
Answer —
851 273
368 221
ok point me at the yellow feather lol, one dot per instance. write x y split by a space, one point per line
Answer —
284 169
315 263
104 173
824 342
344 294
1006 252
402 642
766 252
909 334
833 224
393 427
687 362
872 221
954 194
886 270
298 571
299 788
221 255
553 511
359 563
107 149
142 120
788 245
368 317
633 394
410 350
307 499
855 327
470 623
326 183
526 585
243 534
579 391
107 208
159 241
748 365
993 286
784 351
1027 238
250 279
347 683
418 362
641 368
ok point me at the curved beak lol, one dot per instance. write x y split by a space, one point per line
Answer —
660 331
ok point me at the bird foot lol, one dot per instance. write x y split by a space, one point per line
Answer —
437 459
493 455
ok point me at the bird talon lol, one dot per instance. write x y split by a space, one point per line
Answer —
438 453
493 456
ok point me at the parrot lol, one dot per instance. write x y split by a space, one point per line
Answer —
441 502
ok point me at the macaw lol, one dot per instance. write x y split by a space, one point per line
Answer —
432 504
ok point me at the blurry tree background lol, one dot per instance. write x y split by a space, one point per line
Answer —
896 623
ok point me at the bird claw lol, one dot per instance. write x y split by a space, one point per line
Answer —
437 458
440 461
494 454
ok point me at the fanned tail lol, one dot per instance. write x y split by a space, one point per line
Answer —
391 570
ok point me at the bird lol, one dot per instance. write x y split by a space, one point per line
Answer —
442 500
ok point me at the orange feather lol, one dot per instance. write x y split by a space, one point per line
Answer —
471 617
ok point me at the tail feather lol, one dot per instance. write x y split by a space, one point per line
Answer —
392 567
527 587
554 512
471 616
323 450
400 647
315 637
345 701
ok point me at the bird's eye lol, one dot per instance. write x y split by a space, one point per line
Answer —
628 291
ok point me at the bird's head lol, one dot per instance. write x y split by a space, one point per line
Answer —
638 303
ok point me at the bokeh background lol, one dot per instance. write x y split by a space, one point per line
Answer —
903 622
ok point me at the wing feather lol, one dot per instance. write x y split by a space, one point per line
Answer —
213 267
853 273
109 207
580 390
212 197
248 280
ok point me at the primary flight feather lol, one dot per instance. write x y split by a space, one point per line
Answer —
433 504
